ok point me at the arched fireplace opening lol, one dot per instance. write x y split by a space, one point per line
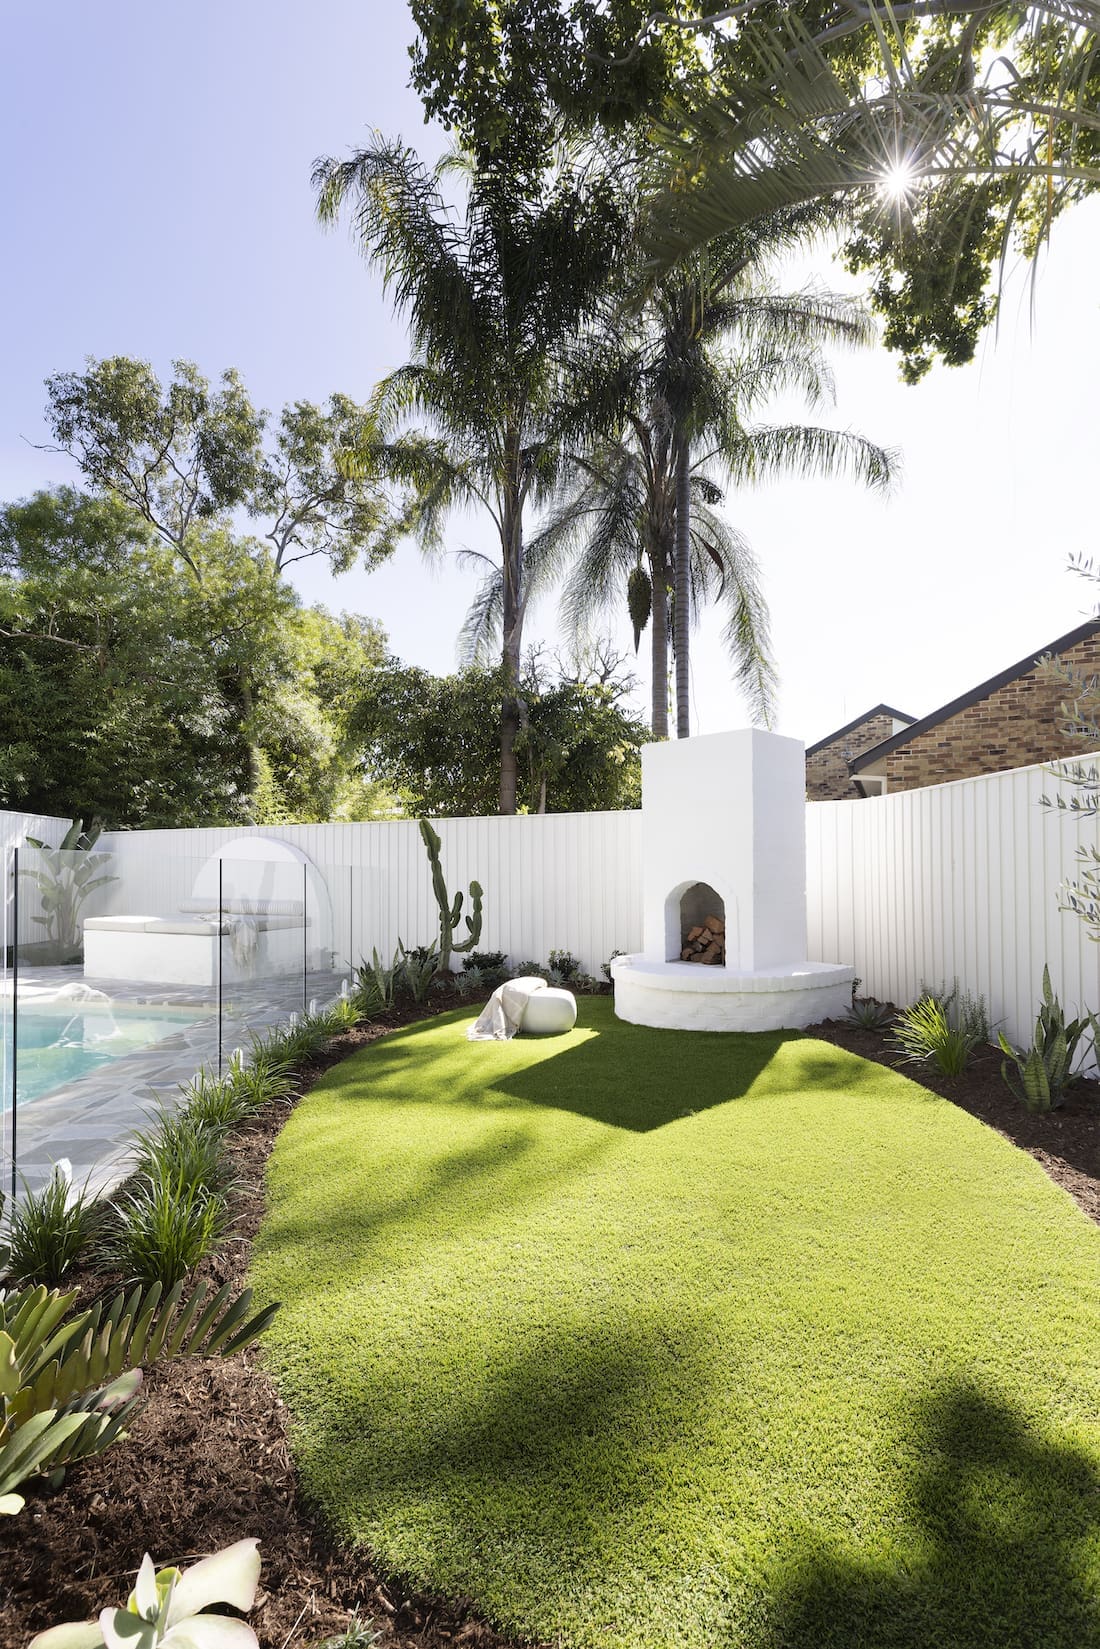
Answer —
702 926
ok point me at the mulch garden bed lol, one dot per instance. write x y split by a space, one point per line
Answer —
208 1463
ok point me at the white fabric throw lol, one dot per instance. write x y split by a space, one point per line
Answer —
502 1015
244 935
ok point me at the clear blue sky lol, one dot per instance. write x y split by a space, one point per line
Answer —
156 163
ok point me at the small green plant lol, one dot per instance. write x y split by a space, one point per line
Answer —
214 1103
185 1151
1041 1075
869 1014
471 981
167 1606
925 1036
489 961
267 1076
300 1038
357 1634
565 964
159 1230
605 967
49 1230
450 909
71 1382
414 971
341 1015
531 970
375 987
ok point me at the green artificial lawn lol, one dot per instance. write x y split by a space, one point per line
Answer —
650 1338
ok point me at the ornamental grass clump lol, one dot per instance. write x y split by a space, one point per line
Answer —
49 1230
161 1229
924 1035
217 1104
184 1151
1041 1075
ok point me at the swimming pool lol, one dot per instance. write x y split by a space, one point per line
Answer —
61 1042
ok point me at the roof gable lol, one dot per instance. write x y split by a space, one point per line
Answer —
975 696
850 727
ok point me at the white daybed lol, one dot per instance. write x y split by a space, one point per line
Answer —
255 911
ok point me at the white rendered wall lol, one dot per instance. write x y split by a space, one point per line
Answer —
727 809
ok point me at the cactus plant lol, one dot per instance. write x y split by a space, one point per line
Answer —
1045 1070
450 909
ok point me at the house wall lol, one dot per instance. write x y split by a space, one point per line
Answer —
955 881
1013 726
827 775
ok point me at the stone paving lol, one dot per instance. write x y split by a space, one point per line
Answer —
91 1120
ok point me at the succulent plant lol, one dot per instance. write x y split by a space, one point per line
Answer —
167 1606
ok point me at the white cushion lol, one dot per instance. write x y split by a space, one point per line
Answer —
549 1012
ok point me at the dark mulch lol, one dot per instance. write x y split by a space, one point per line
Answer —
207 1462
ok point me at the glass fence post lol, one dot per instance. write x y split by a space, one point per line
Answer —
221 946
305 938
14 1012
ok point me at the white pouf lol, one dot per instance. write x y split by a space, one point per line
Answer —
549 1012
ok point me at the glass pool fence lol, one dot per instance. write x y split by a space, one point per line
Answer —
118 984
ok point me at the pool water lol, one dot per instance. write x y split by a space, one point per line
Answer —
61 1043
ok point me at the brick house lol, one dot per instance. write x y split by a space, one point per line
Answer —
1011 720
828 775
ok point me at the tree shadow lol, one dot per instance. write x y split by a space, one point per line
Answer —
538 1481
1003 1548
638 1078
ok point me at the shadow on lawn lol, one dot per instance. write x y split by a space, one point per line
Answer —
1004 1547
637 1078
542 1491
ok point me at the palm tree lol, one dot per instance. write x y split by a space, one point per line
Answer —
637 515
934 123
496 295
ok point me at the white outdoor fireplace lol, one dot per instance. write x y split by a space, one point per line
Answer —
724 891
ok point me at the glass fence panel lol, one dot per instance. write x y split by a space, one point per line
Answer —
332 938
265 939
7 958
113 1003
123 975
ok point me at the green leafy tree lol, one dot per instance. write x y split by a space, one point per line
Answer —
120 676
495 295
982 120
949 134
185 454
431 739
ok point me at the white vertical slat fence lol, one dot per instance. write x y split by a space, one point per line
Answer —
557 881
955 881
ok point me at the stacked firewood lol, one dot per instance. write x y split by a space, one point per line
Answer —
706 943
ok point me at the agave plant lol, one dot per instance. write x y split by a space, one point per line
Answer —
69 1384
1046 1070
168 1606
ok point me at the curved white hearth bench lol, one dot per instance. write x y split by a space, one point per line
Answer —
679 996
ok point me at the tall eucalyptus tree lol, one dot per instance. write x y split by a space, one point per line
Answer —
496 293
